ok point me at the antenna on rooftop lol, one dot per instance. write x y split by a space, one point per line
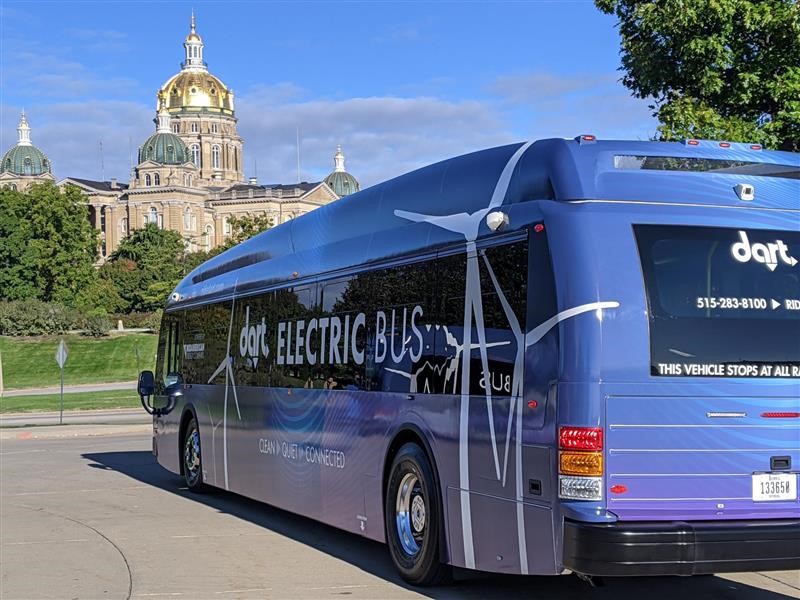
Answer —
298 153
102 163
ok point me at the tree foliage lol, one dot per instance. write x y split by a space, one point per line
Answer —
245 227
146 266
47 246
718 69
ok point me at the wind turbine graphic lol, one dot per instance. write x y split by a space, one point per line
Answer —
468 224
227 366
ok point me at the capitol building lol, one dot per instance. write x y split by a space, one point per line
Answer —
189 175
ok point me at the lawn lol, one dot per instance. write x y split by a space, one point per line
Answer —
30 362
77 401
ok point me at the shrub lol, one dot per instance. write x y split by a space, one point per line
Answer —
97 324
34 317
154 321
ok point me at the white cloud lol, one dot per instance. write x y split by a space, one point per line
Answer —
70 135
546 104
382 136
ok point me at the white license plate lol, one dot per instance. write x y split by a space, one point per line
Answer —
774 486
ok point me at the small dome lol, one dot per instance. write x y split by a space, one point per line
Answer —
342 183
165 149
25 160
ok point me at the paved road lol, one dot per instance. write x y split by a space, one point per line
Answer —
72 389
95 517
77 417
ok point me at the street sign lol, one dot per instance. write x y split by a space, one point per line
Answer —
61 359
61 354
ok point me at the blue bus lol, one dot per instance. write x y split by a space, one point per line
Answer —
562 356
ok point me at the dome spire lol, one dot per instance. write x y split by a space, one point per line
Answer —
24 131
338 160
194 48
162 118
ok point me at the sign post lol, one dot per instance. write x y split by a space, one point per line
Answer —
61 359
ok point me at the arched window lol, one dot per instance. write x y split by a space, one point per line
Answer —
215 157
196 155
147 180
187 218
156 179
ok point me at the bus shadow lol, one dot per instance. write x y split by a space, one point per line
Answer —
373 557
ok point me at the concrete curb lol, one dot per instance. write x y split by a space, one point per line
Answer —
50 432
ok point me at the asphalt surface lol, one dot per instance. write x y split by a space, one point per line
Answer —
85 512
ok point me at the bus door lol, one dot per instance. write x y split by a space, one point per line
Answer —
169 381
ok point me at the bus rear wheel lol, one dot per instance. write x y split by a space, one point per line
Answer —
192 457
413 515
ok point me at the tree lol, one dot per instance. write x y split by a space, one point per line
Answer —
242 228
146 266
721 69
47 245
245 227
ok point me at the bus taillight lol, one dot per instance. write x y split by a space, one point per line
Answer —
580 438
580 463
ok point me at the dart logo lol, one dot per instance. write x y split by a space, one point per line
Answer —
766 254
253 340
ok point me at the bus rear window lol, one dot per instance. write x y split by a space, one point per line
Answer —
705 165
722 302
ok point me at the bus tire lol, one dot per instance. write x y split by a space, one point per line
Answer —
414 518
191 457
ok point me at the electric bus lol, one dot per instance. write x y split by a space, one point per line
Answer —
562 356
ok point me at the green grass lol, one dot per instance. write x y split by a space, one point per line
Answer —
30 362
77 401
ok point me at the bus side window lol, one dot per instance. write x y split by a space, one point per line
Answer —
161 356
172 363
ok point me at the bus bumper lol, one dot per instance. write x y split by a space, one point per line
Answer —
681 548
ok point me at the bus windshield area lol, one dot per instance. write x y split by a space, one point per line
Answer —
705 165
722 302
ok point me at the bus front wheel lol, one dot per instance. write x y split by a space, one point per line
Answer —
192 457
413 514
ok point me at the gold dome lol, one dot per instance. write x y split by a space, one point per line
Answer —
193 37
196 91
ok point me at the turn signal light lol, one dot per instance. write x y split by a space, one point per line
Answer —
581 463
580 438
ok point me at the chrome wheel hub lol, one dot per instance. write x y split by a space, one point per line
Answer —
410 514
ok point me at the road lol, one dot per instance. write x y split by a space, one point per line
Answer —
85 512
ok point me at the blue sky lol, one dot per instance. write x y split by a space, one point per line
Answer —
398 84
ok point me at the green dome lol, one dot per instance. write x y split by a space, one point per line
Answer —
25 160
342 183
165 149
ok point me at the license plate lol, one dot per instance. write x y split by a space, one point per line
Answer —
774 486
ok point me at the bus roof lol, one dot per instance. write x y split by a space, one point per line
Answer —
364 227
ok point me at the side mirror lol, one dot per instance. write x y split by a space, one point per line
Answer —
147 384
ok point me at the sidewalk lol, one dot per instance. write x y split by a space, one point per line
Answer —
121 416
72 389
